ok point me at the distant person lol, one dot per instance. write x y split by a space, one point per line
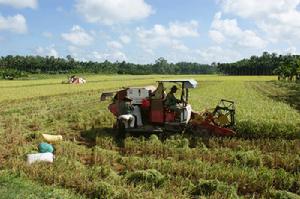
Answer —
171 101
159 93
72 79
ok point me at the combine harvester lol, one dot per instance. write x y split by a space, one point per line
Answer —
75 80
150 112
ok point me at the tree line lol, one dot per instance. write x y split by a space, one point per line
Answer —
285 66
19 65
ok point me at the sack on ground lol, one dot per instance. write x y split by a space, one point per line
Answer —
45 148
40 157
52 138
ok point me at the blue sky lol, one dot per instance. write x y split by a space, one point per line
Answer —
140 31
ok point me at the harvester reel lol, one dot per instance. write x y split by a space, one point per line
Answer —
224 113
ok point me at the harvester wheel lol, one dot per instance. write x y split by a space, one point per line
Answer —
198 131
198 134
121 129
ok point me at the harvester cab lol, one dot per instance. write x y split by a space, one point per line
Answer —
166 108
151 109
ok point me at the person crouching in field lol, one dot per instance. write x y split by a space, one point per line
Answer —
126 110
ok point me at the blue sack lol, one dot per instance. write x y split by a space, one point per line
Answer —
45 148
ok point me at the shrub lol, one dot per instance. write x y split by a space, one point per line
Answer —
104 172
278 194
248 158
150 176
153 138
283 180
104 190
11 74
177 142
212 187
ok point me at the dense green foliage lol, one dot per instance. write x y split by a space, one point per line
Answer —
10 74
150 177
38 64
210 187
285 66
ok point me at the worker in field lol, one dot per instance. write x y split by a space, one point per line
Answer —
171 101
126 113
72 79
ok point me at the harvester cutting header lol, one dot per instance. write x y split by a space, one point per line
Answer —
150 109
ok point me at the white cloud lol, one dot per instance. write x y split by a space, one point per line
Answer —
125 39
78 36
47 51
217 54
154 37
110 12
289 50
16 24
84 55
178 45
278 19
73 49
258 8
117 56
48 35
77 53
160 35
185 29
111 56
114 45
20 3
228 29
174 29
216 36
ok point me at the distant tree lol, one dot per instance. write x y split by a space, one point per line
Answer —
267 64
160 66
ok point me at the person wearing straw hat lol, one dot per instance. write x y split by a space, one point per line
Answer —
171 101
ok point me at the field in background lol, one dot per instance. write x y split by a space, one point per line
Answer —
48 85
262 161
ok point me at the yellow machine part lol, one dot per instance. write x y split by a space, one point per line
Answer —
199 118
222 120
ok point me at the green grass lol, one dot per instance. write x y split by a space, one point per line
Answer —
16 187
262 161
22 89
258 115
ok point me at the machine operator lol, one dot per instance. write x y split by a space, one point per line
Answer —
171 101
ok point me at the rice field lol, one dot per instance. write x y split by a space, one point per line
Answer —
262 161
